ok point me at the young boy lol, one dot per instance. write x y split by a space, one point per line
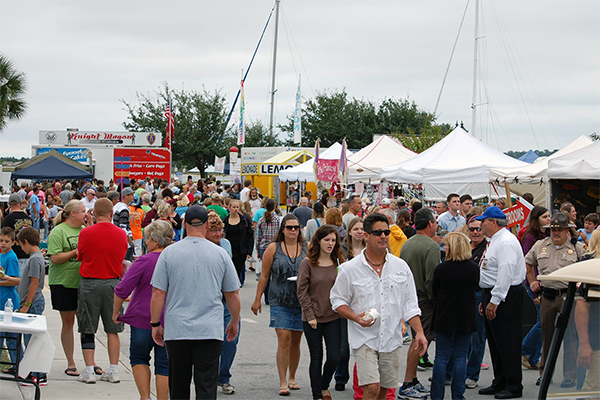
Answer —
9 280
32 284
591 222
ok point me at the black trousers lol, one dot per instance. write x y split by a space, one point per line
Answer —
320 375
198 356
504 339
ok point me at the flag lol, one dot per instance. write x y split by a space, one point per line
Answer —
316 160
241 128
170 126
219 165
298 116
343 165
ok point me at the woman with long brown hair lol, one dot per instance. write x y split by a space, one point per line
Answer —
315 279
280 262
238 230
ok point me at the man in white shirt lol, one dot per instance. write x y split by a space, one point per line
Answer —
355 207
381 281
245 191
502 274
89 200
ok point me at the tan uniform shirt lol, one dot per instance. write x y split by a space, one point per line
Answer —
549 258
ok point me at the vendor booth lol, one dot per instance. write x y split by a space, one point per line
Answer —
365 165
51 165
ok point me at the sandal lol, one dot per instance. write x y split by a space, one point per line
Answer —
72 371
98 370
294 386
284 391
11 371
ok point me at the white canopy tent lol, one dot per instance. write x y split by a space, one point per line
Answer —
365 165
459 163
580 164
304 172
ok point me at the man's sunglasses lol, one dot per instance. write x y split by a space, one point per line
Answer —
379 232
478 229
292 227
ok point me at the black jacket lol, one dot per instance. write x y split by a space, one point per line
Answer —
247 243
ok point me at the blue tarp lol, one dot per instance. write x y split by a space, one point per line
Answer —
52 165
529 157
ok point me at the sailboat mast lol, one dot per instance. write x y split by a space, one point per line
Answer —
274 68
475 70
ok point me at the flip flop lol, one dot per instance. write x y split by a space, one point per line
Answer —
284 392
72 371
98 370
294 386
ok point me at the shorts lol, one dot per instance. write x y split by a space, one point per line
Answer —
426 320
96 299
289 318
140 347
64 299
375 367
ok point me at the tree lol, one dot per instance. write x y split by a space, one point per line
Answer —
427 138
12 89
594 136
257 135
200 131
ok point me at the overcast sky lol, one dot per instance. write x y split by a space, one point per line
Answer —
540 60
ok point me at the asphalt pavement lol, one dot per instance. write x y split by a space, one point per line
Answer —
254 369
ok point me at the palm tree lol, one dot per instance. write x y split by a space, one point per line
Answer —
12 89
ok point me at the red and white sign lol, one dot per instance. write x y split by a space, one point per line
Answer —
141 163
519 213
327 170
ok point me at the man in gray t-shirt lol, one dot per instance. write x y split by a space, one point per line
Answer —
189 280
35 268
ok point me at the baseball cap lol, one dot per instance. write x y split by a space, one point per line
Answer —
318 207
127 191
196 216
14 199
386 201
491 212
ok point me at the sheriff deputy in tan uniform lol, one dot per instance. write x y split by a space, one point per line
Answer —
549 255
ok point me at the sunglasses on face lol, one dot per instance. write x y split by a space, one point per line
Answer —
379 232
475 229
292 227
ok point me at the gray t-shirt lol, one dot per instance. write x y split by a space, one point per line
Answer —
194 272
303 213
35 268
65 196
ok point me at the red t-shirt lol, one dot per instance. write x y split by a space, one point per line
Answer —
101 249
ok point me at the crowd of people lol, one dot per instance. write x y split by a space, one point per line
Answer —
336 270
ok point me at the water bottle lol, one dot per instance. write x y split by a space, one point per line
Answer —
8 310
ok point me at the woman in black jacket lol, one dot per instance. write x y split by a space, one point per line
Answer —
238 230
454 284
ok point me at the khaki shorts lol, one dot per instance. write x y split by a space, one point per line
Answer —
376 367
96 300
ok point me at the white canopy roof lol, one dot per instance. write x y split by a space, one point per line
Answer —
536 172
458 163
580 164
304 171
366 164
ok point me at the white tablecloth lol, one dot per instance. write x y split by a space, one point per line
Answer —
40 352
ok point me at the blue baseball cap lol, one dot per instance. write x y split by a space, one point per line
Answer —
491 212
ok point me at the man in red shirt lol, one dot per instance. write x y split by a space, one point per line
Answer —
101 250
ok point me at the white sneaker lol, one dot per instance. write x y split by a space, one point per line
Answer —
112 377
227 388
87 377
471 383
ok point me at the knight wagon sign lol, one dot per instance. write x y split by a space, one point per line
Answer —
101 138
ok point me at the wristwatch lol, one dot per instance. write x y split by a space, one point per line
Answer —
154 324
28 304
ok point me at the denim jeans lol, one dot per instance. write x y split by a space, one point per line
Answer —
342 373
532 343
450 348
320 375
229 350
11 344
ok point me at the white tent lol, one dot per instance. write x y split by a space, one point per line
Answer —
580 164
459 163
366 164
304 171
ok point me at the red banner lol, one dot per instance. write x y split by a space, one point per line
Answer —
518 214
327 170
141 163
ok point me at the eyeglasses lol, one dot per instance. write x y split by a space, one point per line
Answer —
478 229
292 227
379 232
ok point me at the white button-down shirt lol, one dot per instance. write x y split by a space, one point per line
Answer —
393 295
502 265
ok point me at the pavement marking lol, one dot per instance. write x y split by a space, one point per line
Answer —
249 320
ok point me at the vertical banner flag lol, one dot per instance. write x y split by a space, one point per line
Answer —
170 126
298 116
241 128
219 165
316 160
343 165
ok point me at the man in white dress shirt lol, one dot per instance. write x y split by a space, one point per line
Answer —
377 280
502 274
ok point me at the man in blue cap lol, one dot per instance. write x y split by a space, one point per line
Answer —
502 272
